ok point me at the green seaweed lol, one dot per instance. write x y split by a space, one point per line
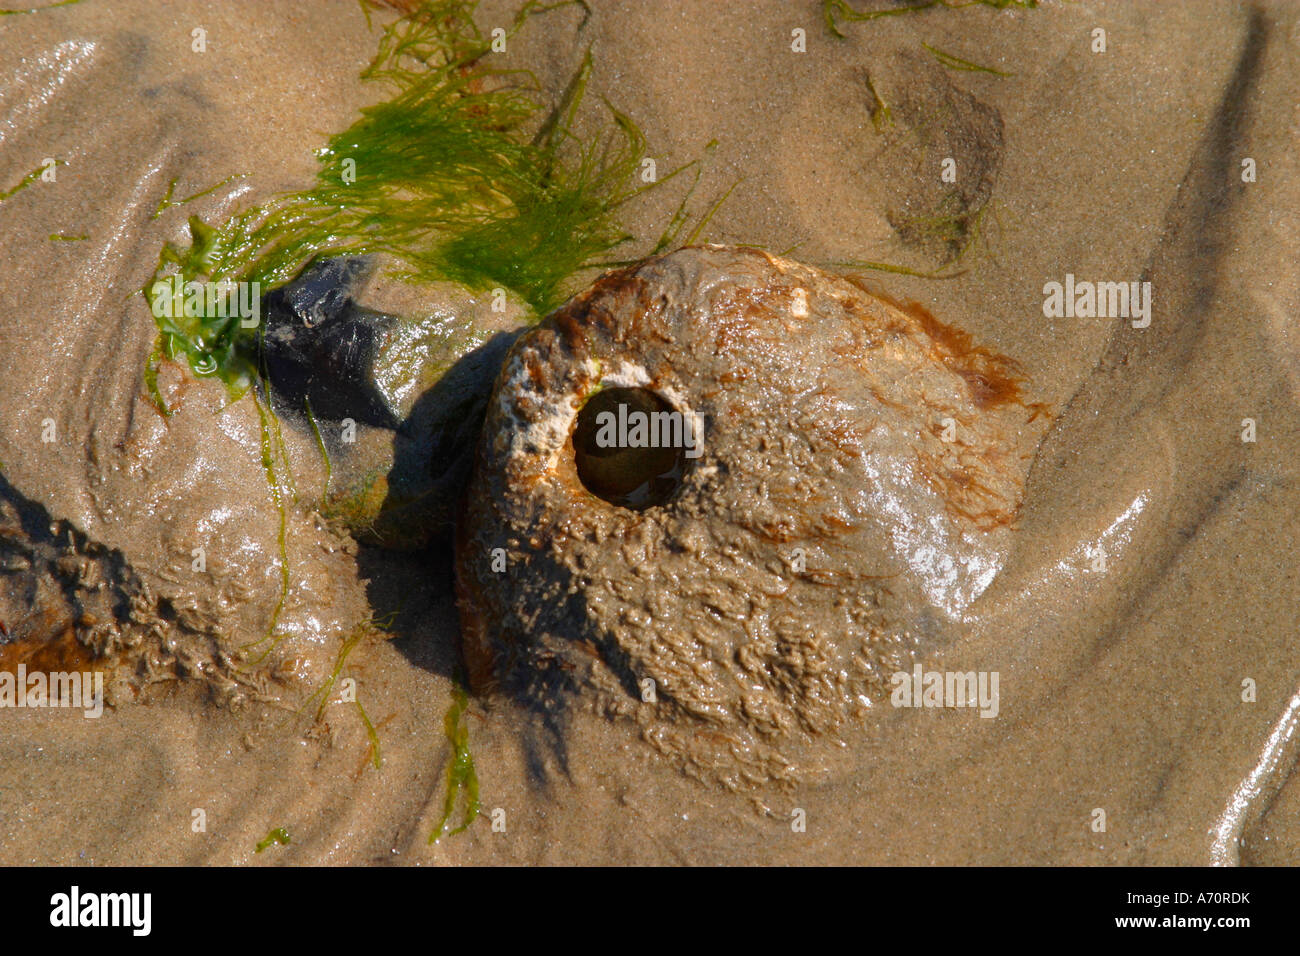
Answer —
462 780
212 344
864 264
321 696
957 63
881 115
151 376
323 692
168 203
50 6
279 836
951 226
320 443
709 214
849 14
444 175
30 178
672 236
965 230
271 443
377 757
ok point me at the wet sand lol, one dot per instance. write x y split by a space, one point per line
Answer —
1121 685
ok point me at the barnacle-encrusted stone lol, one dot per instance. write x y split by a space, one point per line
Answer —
857 480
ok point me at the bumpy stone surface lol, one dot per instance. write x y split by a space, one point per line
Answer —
859 476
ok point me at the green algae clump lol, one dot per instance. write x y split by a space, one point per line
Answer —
460 174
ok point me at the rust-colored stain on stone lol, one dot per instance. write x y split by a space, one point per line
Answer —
859 474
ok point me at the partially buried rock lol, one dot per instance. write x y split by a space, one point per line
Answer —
393 377
728 495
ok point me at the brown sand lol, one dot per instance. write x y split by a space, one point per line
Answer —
1120 689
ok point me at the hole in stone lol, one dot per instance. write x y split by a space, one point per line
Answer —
630 447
